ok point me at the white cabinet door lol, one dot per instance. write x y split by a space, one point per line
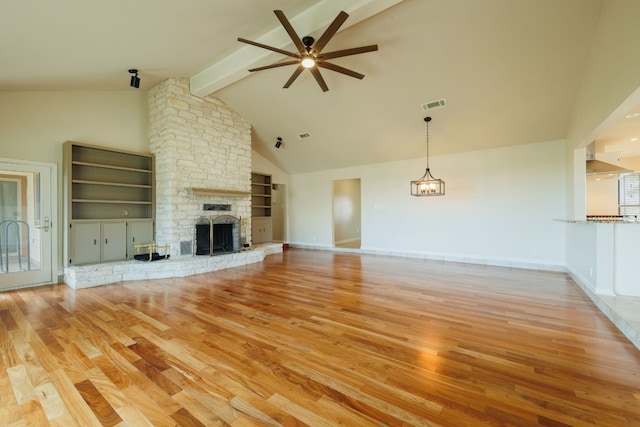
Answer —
84 243
114 240
138 232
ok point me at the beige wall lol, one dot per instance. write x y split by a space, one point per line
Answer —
34 125
261 165
500 208
610 86
612 73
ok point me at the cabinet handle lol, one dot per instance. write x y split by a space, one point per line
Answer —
95 242
106 241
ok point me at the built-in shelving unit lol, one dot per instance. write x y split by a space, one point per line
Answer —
108 184
109 194
261 226
260 195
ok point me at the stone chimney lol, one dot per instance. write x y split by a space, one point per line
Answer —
198 143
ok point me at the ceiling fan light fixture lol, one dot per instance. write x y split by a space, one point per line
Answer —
309 54
308 61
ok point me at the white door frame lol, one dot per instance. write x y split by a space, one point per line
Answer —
49 274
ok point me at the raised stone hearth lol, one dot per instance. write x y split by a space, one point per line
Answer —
87 276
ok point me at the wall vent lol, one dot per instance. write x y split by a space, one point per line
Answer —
185 247
427 106
304 135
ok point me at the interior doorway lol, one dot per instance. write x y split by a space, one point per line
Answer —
347 213
278 204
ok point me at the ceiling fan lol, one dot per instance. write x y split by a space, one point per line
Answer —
310 54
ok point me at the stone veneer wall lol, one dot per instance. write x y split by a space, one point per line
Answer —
197 143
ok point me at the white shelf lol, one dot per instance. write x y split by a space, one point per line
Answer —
112 184
108 166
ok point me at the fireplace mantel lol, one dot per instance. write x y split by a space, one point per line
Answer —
195 191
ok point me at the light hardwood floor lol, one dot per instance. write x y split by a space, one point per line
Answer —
321 339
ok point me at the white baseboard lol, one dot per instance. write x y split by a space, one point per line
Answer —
466 259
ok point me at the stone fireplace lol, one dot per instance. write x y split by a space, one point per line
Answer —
203 169
203 157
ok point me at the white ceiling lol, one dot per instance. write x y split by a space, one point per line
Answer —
508 69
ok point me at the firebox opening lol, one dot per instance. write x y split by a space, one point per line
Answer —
217 236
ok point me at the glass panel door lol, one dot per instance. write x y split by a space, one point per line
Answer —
26 251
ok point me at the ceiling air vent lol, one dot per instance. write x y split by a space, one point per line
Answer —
434 104
304 135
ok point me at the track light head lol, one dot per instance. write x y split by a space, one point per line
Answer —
135 80
278 142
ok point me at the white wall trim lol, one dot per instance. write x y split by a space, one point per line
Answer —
465 259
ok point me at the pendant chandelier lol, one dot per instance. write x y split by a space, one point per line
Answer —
427 185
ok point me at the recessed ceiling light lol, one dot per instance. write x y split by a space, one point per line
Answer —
633 139
632 116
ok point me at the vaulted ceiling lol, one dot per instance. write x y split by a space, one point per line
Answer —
509 70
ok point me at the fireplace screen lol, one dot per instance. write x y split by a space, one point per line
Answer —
217 235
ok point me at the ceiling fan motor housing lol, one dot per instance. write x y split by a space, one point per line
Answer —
308 42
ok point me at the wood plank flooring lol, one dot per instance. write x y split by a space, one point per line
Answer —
321 339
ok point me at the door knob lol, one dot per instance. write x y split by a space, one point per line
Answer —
46 225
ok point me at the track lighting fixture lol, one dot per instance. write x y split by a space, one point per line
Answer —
135 80
278 142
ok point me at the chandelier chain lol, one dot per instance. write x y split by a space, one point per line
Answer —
427 143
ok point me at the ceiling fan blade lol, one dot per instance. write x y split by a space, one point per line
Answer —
339 69
276 65
347 52
292 33
319 79
294 76
264 46
330 31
